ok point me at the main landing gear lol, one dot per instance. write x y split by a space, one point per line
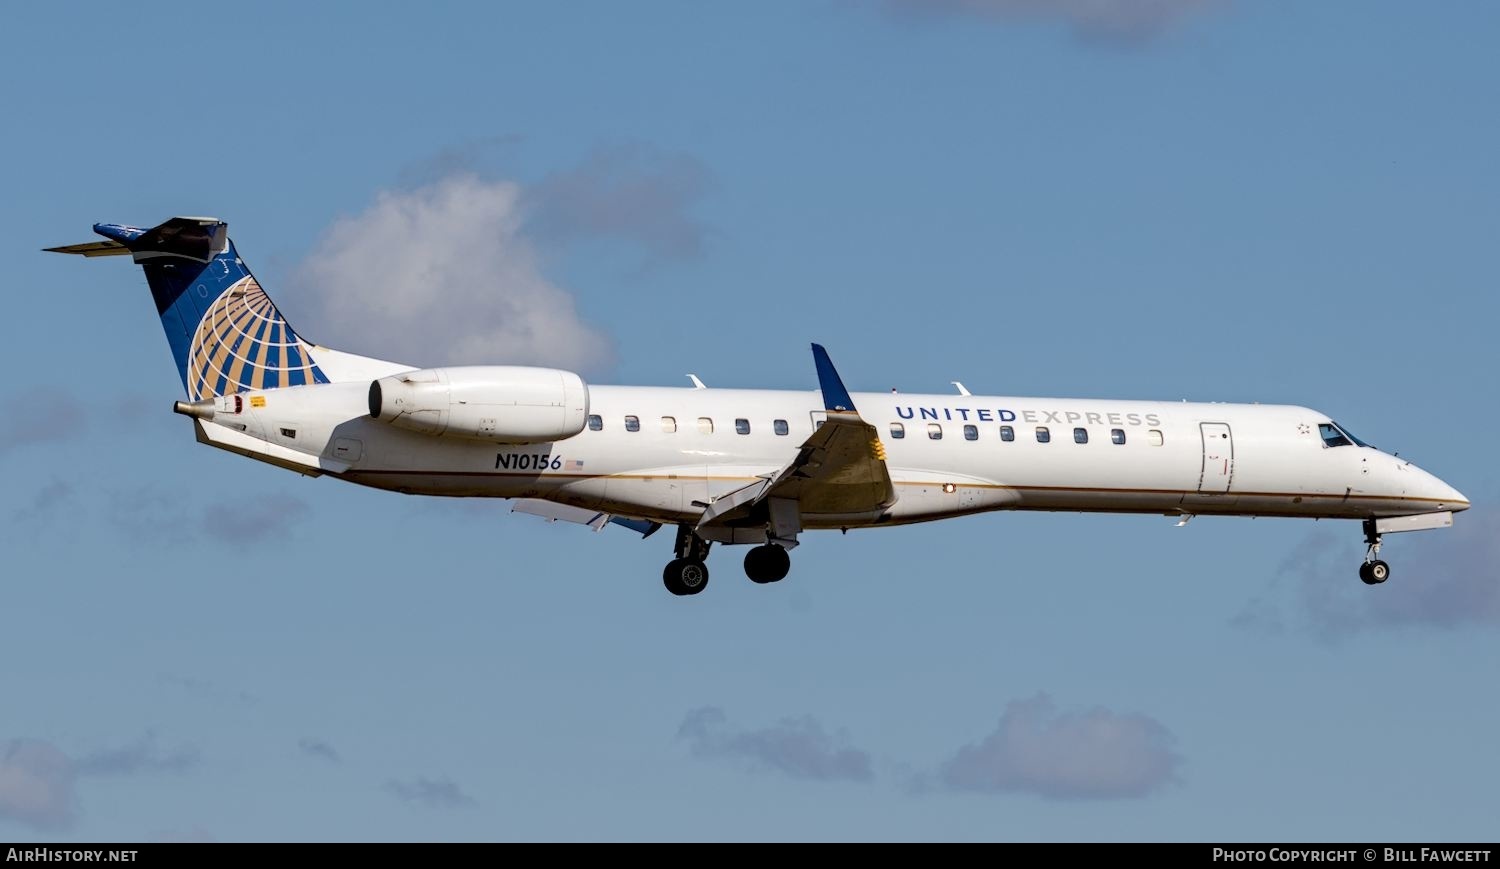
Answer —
768 563
1373 571
687 573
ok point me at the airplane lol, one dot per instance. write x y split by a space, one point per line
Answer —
733 466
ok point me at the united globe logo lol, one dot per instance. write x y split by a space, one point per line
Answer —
242 343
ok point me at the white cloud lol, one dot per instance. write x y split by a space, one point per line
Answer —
443 274
1093 754
36 784
37 779
46 503
799 747
631 194
433 793
158 515
254 518
1450 578
142 755
50 416
319 748
1446 579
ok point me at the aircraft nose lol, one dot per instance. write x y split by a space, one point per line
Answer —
1429 491
1448 498
1454 497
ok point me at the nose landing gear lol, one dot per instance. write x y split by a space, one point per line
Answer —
1373 571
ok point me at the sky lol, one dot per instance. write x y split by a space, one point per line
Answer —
1169 199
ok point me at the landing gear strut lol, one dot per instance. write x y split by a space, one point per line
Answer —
1373 571
768 563
687 573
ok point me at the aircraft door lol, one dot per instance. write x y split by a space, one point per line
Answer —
1218 458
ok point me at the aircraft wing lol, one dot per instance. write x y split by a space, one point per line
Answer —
839 469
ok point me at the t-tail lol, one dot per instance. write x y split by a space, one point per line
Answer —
226 334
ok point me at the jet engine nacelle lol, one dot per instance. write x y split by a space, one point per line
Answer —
501 403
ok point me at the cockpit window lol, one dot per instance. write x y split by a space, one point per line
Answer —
1332 437
1345 433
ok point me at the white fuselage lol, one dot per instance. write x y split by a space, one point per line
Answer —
731 465
687 448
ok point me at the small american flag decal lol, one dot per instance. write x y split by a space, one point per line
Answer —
574 465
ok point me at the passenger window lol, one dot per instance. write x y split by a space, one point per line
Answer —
779 426
596 422
705 425
1043 435
971 432
632 423
1117 435
898 431
1080 435
1007 433
669 424
934 431
1154 438
742 426
1332 437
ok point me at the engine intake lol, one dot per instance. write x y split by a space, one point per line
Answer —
500 403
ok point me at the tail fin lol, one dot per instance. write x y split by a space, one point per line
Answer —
226 334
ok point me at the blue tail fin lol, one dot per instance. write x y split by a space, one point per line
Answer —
226 334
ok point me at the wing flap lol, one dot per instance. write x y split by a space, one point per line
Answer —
840 469
595 519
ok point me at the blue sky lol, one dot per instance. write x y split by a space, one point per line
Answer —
1230 201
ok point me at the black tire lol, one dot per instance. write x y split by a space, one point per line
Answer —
1364 574
779 561
768 563
669 577
755 566
685 576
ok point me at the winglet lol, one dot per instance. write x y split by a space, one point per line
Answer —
835 396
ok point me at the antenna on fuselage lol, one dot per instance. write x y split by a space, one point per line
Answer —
961 389
697 384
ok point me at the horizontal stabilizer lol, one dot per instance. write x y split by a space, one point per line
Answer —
92 248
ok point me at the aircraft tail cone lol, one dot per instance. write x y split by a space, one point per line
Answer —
198 409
